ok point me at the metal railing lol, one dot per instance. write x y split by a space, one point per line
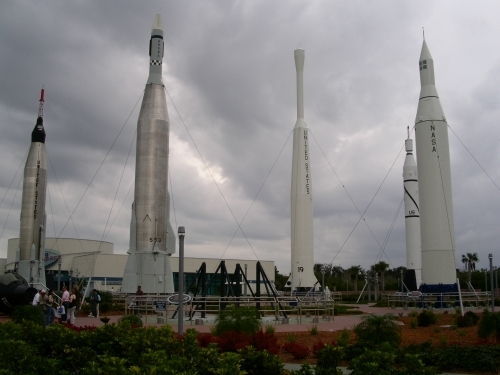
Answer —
438 300
284 307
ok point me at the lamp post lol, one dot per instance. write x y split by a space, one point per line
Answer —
490 257
180 328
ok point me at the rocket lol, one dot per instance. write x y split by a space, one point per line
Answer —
152 239
302 254
32 227
434 181
412 214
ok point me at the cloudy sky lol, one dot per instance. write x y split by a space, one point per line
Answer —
230 81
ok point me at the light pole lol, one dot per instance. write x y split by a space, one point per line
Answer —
180 328
490 257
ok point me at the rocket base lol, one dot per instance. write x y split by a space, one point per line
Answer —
151 271
33 271
439 288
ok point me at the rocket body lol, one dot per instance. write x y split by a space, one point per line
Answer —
412 214
302 251
148 264
32 226
434 183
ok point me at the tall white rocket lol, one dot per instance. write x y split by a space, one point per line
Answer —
434 181
412 213
32 228
152 239
302 266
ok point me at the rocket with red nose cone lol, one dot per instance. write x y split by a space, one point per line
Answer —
434 182
152 239
32 228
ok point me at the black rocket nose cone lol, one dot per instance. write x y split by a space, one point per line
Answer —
38 134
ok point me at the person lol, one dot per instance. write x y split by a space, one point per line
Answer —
43 302
65 303
95 300
139 291
73 301
51 304
36 298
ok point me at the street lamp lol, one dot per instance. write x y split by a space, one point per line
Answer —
180 328
490 257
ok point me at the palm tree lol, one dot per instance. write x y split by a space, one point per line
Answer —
380 269
354 273
470 260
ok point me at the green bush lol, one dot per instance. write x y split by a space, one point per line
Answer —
468 320
378 361
130 321
375 330
28 313
257 362
328 360
489 325
237 319
426 318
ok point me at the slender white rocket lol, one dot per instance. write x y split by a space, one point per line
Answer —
434 183
412 213
302 250
32 228
152 239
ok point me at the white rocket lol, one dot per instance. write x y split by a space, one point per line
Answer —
152 239
412 214
434 181
302 268
32 228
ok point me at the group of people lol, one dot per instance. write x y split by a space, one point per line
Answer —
64 308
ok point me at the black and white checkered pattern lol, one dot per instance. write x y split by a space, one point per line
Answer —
155 62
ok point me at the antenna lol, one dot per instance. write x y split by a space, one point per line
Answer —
423 32
408 130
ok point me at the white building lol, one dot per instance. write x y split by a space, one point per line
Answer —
83 259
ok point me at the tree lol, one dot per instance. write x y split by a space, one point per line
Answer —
380 269
354 272
470 260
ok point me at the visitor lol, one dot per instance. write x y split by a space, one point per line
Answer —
95 300
65 303
73 301
51 304
43 302
36 298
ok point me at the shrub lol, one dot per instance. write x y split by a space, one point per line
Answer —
344 338
468 320
328 358
270 329
314 331
376 330
426 318
238 319
28 313
489 325
231 341
265 341
305 370
298 351
379 361
317 347
130 321
256 362
205 339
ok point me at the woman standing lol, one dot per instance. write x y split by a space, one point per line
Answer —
73 301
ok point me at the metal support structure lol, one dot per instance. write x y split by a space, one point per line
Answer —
181 232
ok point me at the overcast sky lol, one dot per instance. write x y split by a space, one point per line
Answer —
230 79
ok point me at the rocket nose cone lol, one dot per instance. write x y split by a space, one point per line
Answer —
425 53
157 22
299 55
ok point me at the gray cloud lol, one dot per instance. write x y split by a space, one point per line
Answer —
230 72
